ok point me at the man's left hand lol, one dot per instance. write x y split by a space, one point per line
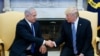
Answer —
81 54
43 49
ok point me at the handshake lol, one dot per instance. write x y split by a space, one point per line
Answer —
50 43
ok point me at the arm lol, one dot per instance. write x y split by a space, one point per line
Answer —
25 34
62 35
58 41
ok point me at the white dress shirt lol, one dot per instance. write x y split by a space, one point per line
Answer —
76 23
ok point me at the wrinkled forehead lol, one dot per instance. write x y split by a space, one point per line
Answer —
33 12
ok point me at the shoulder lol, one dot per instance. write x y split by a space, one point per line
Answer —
83 20
22 22
36 23
64 22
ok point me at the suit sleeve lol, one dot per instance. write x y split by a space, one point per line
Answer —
61 38
25 34
88 39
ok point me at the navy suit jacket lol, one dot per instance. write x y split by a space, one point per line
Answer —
24 38
83 36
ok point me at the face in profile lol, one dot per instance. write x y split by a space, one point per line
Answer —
70 18
32 16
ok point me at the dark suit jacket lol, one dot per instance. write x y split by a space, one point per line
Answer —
24 38
83 36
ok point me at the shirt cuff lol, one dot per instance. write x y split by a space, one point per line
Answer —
43 42
53 43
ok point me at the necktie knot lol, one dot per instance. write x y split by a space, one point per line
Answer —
73 27
33 30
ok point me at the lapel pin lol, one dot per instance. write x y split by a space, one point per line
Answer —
80 24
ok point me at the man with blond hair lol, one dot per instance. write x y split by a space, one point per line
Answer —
76 32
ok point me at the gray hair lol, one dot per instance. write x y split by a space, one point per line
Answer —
28 11
72 10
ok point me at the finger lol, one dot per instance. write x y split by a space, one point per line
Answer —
44 51
40 50
51 45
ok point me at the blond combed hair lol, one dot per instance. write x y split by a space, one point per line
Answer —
72 10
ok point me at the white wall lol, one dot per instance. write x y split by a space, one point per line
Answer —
47 12
45 9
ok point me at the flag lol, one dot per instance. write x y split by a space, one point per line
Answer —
94 6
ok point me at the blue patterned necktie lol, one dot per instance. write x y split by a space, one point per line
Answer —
74 38
33 33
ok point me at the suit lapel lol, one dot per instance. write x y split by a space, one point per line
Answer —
27 25
79 27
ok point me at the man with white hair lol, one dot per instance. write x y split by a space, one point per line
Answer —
76 32
28 39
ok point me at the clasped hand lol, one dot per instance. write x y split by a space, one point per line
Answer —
43 48
50 43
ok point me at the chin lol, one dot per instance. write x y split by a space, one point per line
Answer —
34 21
68 21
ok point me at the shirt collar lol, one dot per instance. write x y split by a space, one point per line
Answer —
76 21
28 22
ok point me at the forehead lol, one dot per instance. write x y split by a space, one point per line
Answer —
71 14
33 12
